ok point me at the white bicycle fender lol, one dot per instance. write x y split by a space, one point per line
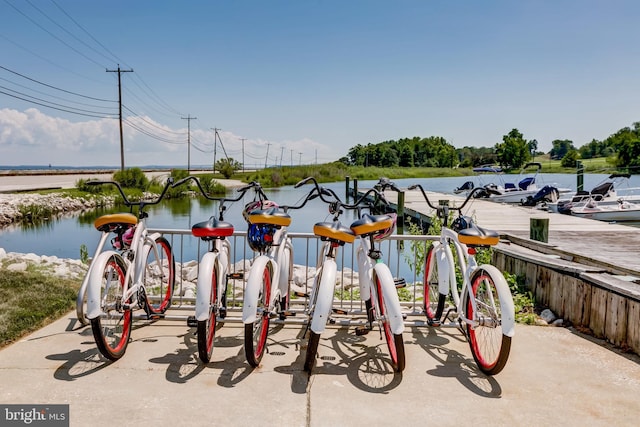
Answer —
324 301
252 289
444 269
93 288
507 307
203 289
390 294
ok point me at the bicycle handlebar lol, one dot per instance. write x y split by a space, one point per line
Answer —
459 208
142 203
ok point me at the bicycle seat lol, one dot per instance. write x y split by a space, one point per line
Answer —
333 231
271 216
213 228
380 225
111 221
476 236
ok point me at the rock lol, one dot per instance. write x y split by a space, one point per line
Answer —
558 322
548 316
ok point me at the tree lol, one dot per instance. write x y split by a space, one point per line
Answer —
513 152
532 146
560 148
227 167
570 159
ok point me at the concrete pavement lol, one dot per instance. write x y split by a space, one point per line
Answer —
554 376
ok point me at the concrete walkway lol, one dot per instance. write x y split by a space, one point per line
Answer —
554 376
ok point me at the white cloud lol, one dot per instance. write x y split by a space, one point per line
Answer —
34 138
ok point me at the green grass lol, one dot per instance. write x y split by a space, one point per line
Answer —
30 300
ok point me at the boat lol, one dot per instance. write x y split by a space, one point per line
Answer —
523 189
622 211
607 192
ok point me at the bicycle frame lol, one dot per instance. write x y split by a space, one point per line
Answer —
142 242
218 253
447 282
273 260
370 269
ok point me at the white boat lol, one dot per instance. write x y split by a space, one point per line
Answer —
523 189
607 193
622 211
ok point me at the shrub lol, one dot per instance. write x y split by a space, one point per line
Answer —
132 178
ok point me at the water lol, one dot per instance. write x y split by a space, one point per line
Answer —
63 237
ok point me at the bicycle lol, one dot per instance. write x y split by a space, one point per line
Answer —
483 307
138 273
377 286
213 276
267 291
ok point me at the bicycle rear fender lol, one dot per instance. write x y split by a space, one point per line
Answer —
324 301
390 294
254 284
507 307
95 278
365 269
203 289
444 268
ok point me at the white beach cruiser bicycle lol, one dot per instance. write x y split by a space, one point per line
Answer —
267 291
214 271
139 272
483 306
378 288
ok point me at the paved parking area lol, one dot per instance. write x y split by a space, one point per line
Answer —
554 377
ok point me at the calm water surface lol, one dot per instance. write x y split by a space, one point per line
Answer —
63 237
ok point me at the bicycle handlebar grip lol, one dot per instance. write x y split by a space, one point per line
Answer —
303 182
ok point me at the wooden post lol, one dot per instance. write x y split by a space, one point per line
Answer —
580 176
355 188
539 229
400 226
346 187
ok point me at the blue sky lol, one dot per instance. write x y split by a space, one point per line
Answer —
303 81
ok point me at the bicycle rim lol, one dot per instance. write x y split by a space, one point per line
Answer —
112 329
395 343
489 346
255 334
207 328
159 277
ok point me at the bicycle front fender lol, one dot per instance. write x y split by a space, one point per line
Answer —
390 295
203 289
324 300
94 297
253 286
507 307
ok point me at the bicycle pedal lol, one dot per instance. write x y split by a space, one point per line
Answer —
362 330
192 322
301 294
222 312
235 276
340 311
288 313
400 282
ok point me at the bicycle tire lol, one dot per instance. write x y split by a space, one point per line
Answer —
433 300
207 328
489 345
159 278
312 351
395 342
255 333
287 267
112 330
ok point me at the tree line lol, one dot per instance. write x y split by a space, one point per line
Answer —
513 152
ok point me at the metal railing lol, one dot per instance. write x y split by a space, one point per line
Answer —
402 253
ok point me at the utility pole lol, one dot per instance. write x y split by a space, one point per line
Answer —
119 71
215 145
188 119
281 155
267 156
291 158
243 140
300 162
